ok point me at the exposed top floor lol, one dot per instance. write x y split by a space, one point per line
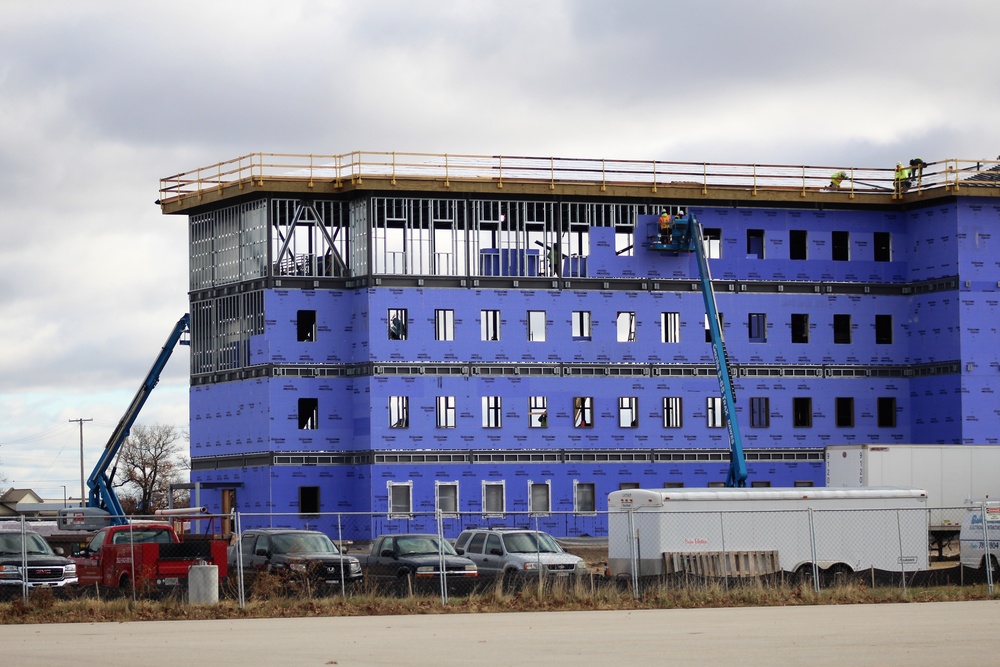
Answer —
692 182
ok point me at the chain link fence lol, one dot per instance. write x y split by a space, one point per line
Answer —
462 554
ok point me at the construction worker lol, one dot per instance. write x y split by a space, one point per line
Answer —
917 166
665 228
902 178
837 178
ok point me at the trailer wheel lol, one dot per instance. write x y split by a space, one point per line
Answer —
994 566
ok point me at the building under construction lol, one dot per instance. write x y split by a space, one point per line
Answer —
403 333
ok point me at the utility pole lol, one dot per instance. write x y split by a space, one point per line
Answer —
83 496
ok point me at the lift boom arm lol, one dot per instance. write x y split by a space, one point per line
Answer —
685 234
101 494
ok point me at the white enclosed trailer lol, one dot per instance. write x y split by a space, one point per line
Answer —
950 474
843 529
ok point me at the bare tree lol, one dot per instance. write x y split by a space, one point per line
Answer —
149 462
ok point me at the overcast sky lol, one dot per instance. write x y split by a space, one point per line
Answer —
101 99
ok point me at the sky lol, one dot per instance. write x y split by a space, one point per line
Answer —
100 99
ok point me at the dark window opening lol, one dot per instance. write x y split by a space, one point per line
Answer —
755 244
883 329
397 324
842 329
802 412
308 414
760 413
309 500
797 248
886 412
845 412
305 326
841 246
757 327
800 328
883 247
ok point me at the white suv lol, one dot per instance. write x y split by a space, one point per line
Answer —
517 554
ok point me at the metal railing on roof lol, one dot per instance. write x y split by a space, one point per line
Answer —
258 169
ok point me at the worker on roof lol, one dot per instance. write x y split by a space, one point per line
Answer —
901 179
836 179
917 167
665 228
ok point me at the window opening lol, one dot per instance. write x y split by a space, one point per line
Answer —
797 244
538 412
444 325
446 497
539 497
399 412
445 411
670 327
802 412
536 325
713 412
308 414
712 237
887 412
760 413
585 497
492 412
757 327
628 411
845 412
842 329
308 500
883 247
400 500
581 325
490 324
626 327
800 328
493 498
672 412
397 324
883 329
841 246
755 244
583 412
305 326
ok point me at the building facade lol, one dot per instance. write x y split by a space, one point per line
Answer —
493 340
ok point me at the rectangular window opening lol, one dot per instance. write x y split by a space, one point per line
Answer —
586 498
490 324
755 244
400 500
887 412
308 500
800 328
581 325
883 329
712 237
626 327
842 329
883 247
493 498
845 411
445 412
797 244
757 327
399 412
305 326
492 412
760 412
802 412
670 327
397 323
444 324
539 498
713 412
536 326
308 414
538 412
447 497
672 412
628 411
841 246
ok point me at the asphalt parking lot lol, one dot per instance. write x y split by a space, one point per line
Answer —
932 634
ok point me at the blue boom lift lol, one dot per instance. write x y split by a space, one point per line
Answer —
674 235
101 494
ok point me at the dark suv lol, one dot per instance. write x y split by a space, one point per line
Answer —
31 554
305 556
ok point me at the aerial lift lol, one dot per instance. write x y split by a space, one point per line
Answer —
673 235
101 497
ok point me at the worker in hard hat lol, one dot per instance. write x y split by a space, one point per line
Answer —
836 179
665 228
902 178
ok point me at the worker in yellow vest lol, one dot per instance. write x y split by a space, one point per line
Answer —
902 178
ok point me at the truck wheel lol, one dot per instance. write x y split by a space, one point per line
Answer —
125 586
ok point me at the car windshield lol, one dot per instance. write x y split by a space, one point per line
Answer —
420 544
34 544
142 536
519 543
302 543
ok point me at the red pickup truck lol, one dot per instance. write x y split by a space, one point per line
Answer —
148 556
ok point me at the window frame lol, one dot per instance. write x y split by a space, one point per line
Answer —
391 498
580 497
397 324
438 486
583 407
538 412
715 417
490 511
490 322
581 325
399 412
673 406
760 412
534 511
444 324
444 406
532 331
492 412
628 406
670 327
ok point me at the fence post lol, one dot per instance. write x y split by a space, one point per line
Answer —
902 561
443 577
340 547
240 590
538 560
987 559
812 551
24 561
722 532
633 543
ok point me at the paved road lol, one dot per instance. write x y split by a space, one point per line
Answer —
932 634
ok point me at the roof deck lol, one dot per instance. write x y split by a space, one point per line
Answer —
702 182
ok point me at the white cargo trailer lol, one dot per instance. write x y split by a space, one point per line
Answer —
950 474
842 529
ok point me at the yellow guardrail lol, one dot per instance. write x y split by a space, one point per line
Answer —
256 169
